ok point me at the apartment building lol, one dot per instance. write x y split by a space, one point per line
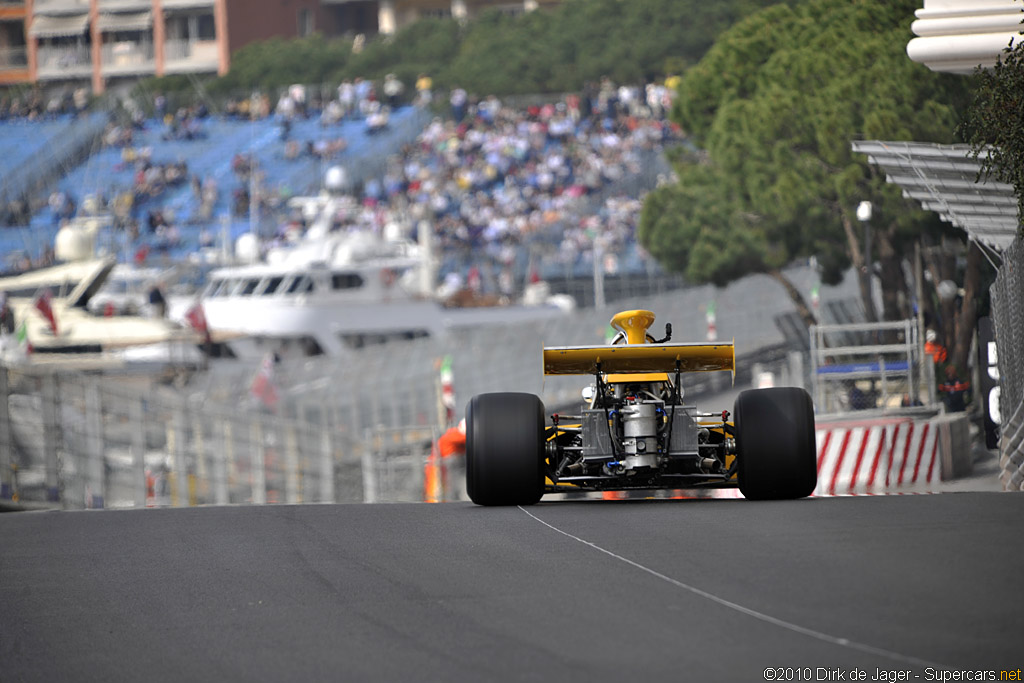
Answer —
99 42
13 48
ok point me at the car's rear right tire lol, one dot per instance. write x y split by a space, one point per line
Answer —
775 444
505 449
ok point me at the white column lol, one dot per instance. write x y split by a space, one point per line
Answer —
459 10
386 22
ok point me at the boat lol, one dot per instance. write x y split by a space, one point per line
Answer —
53 323
335 290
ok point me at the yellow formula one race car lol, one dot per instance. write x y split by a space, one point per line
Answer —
635 431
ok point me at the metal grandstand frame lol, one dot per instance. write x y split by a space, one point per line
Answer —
945 179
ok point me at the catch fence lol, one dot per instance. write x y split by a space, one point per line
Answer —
1008 317
77 441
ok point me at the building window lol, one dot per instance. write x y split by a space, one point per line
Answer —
436 13
306 23
346 281
206 28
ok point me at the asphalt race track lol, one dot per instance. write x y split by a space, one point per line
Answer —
594 590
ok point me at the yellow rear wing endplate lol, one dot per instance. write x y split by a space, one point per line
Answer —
634 358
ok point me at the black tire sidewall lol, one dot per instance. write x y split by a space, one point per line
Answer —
775 443
505 449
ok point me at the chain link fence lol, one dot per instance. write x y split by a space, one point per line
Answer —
77 441
1008 316
356 428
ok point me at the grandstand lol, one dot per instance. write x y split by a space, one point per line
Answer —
586 199
106 173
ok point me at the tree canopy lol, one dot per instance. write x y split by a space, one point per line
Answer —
994 125
549 50
775 103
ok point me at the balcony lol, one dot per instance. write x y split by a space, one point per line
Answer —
124 5
190 56
127 58
64 61
13 58
54 7
187 4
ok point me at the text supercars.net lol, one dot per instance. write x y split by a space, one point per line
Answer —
821 673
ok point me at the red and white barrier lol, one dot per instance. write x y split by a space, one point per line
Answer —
915 461
876 456
887 455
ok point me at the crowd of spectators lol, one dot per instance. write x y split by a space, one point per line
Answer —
34 105
503 184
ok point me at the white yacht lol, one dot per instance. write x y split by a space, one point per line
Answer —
338 290
64 330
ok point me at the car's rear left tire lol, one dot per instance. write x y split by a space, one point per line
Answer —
505 449
775 444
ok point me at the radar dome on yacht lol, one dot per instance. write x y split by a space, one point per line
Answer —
392 232
247 248
335 179
76 241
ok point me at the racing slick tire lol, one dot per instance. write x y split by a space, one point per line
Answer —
505 449
775 446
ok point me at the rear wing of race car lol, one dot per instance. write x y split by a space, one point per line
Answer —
639 358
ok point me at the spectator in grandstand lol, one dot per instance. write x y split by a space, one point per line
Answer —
80 100
393 89
286 107
205 237
19 212
458 100
364 92
377 117
62 205
332 114
347 98
424 90
297 93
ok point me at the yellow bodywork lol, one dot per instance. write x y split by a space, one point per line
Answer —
639 359
628 358
634 324
637 355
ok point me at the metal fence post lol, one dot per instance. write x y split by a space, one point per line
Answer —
291 464
369 467
54 476
138 427
258 460
202 476
176 445
220 464
326 460
95 469
6 438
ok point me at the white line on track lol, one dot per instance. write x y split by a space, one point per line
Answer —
796 628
